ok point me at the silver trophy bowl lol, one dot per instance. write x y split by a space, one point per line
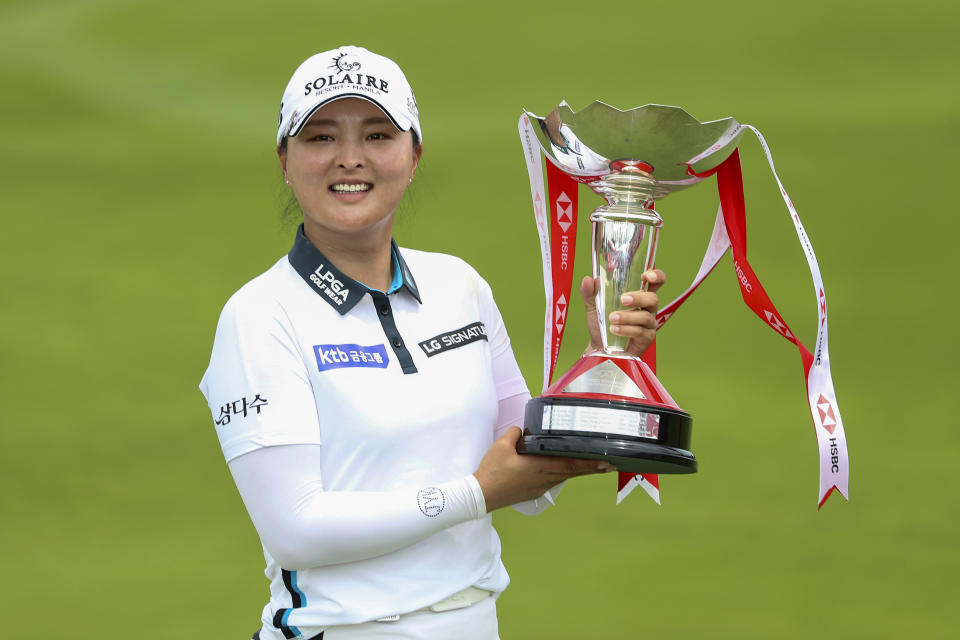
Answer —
632 158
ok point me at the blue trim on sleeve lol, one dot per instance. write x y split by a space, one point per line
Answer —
283 624
298 600
296 589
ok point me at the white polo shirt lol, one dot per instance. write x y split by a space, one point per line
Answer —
398 390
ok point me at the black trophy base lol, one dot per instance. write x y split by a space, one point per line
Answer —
663 451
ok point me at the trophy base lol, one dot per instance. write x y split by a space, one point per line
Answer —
628 457
633 437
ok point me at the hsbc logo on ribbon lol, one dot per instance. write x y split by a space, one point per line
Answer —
778 325
561 312
564 210
564 220
827 418
744 280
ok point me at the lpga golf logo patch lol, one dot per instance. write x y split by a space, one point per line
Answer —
338 356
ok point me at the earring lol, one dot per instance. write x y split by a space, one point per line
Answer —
287 181
411 181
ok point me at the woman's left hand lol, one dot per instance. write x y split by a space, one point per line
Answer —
637 319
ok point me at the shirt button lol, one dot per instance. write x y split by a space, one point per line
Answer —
397 342
385 310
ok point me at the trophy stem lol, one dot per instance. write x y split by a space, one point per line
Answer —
625 235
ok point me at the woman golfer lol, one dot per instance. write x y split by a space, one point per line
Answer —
365 395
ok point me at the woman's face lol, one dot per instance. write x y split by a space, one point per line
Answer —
348 168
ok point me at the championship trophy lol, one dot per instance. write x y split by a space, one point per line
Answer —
610 405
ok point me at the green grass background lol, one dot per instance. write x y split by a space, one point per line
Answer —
139 188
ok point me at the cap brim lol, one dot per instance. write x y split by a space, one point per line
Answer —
298 126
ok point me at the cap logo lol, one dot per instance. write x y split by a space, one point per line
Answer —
412 106
342 65
357 82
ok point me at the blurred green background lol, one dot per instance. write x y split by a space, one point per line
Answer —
140 189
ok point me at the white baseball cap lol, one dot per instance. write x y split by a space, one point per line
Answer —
347 72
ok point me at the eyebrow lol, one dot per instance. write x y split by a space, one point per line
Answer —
331 123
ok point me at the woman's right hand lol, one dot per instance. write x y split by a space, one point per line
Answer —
506 477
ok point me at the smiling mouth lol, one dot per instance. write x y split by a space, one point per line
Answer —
351 188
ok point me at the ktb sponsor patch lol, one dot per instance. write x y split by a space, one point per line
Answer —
338 356
454 339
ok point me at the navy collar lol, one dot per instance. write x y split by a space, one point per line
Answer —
339 290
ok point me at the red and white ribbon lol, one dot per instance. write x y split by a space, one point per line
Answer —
563 197
729 232
649 482
531 149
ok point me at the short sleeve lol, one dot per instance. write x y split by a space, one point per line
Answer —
506 372
257 385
